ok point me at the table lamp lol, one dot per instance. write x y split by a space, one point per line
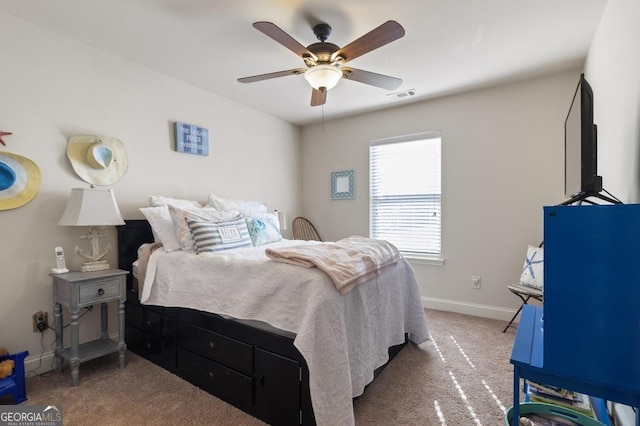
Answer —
282 220
94 208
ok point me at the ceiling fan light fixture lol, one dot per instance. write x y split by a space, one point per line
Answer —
323 76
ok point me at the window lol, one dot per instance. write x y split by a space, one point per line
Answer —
405 193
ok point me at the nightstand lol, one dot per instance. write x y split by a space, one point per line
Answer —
76 290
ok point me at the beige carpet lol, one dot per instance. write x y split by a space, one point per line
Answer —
462 377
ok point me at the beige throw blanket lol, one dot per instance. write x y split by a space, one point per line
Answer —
348 262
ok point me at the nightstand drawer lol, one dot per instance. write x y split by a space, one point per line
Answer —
99 291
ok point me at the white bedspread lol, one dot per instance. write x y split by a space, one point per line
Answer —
343 338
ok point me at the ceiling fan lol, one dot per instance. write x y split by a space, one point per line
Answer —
325 60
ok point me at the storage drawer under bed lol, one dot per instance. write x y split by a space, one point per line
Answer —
151 347
225 383
151 319
222 349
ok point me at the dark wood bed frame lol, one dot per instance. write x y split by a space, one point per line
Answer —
248 364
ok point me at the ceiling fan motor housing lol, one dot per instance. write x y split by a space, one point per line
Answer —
323 51
322 31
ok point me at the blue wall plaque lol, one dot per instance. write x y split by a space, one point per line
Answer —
192 139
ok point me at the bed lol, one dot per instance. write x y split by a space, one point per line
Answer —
300 360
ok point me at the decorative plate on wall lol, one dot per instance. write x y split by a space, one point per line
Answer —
343 185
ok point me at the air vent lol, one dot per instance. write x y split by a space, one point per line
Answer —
404 94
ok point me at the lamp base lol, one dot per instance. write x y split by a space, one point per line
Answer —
98 265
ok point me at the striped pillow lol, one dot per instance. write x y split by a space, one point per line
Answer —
180 228
218 236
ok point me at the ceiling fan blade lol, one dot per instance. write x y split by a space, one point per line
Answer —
372 78
270 75
378 37
276 33
318 97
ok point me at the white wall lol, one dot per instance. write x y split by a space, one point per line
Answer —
52 88
503 160
613 71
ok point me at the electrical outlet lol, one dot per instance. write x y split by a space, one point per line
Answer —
40 321
475 282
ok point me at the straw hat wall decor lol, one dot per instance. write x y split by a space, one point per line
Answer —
98 160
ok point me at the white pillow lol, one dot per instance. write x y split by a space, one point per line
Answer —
533 268
180 228
155 201
162 226
243 206
218 236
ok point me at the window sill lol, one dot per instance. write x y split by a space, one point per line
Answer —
424 260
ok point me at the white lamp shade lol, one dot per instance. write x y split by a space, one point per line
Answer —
323 75
91 207
282 220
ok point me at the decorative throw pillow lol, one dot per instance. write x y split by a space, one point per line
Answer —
245 207
162 226
179 215
533 269
271 216
155 201
218 236
263 230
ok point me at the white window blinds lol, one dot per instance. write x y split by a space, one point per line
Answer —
405 192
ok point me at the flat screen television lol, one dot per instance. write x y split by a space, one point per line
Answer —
581 145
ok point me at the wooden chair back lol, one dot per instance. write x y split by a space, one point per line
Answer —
303 229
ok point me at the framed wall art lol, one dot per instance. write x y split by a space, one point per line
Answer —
343 185
192 139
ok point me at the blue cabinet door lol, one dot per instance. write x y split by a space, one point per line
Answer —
592 293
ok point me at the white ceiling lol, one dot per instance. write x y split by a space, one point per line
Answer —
450 45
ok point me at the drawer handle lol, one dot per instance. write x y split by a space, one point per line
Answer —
100 292
148 345
212 345
262 380
211 374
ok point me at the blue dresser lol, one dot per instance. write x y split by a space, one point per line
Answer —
588 337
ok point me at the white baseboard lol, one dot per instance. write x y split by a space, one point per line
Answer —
485 311
37 364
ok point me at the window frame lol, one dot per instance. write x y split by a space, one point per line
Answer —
421 257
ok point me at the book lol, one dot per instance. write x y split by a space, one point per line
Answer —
579 402
553 391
